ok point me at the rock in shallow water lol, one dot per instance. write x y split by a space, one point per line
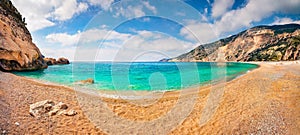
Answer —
63 61
87 81
60 61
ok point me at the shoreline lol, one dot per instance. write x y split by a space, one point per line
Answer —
264 100
107 93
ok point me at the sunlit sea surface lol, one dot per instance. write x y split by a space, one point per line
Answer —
145 76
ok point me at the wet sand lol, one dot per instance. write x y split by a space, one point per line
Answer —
263 101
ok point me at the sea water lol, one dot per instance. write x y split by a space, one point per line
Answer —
140 75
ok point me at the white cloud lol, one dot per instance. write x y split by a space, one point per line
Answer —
255 11
121 46
92 35
67 52
150 7
67 9
133 10
231 21
63 38
208 1
220 7
72 53
39 12
148 43
105 4
280 21
199 31
129 11
205 11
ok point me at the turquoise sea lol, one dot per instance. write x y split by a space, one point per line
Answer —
140 75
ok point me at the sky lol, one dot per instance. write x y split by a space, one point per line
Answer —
140 30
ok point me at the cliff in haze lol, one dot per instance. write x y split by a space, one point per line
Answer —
17 51
261 43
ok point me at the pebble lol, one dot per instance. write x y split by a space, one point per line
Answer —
70 113
17 124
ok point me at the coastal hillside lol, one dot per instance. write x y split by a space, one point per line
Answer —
261 43
17 51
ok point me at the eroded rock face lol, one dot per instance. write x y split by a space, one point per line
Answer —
40 108
49 108
50 61
17 51
63 61
60 61
261 43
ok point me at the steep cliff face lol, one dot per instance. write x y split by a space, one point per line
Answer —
17 52
262 43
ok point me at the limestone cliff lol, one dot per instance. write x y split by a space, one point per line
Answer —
261 43
17 51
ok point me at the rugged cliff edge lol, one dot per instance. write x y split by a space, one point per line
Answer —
60 61
261 43
17 51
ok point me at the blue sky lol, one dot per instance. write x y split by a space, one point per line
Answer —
138 30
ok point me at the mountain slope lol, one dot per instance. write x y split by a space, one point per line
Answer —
17 52
261 43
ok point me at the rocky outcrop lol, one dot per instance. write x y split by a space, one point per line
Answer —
164 60
261 43
39 108
63 61
49 108
60 61
17 51
50 61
